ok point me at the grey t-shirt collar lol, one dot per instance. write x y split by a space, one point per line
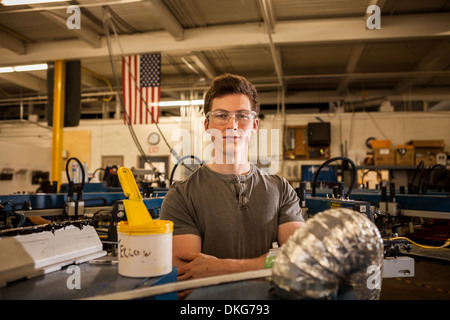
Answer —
231 176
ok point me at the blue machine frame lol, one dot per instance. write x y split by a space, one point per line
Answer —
94 195
424 202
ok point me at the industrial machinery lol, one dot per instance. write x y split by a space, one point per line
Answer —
82 219
410 223
95 199
75 199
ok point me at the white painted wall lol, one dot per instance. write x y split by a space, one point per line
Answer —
29 146
23 158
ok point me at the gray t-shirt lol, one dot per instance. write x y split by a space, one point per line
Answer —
236 217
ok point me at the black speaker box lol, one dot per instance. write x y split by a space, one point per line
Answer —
72 103
319 134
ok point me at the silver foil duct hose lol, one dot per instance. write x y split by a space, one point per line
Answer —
337 248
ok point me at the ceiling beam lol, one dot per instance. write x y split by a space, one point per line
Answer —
26 80
328 31
85 33
371 75
165 18
203 64
311 97
12 43
317 31
435 59
325 96
355 55
270 26
268 15
90 81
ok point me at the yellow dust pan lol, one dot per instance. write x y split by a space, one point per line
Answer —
137 213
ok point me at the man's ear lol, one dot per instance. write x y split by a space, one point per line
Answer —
255 125
206 124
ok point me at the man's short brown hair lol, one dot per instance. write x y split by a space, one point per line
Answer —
231 84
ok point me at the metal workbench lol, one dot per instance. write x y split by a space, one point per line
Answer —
95 279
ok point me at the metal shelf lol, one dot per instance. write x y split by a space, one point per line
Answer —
387 167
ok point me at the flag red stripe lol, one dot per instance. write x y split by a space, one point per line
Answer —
123 88
152 101
157 106
140 104
146 108
130 110
135 86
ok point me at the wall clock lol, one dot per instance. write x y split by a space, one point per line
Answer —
153 138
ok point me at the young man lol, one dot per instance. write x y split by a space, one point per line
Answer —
228 213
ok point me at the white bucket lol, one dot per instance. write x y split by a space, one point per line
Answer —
145 251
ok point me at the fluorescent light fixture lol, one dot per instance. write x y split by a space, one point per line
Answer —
173 103
31 67
180 103
21 2
6 69
197 102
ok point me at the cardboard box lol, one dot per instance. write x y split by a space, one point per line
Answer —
381 144
429 159
384 156
404 155
426 151
428 143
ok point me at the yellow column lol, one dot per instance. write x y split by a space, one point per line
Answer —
58 121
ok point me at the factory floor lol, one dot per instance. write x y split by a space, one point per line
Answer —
430 282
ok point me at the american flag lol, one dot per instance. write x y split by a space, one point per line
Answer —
141 80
